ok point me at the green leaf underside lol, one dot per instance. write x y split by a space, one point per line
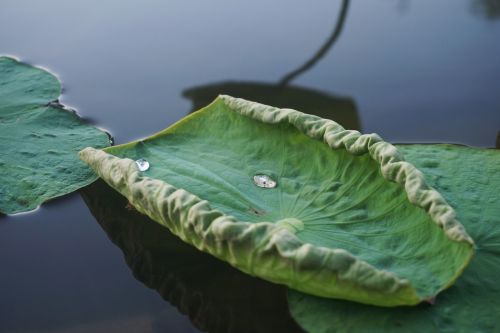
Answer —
325 199
39 143
469 178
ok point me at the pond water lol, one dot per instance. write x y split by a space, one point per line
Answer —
412 71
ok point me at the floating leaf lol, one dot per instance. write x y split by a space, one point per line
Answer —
215 296
469 178
332 225
39 139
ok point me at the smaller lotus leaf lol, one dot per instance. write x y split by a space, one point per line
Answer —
469 178
294 199
39 139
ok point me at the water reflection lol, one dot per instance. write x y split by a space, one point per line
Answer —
215 296
283 94
489 9
337 30
341 109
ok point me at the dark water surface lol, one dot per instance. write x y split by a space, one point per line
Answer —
412 71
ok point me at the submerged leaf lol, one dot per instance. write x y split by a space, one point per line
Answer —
469 178
333 224
215 296
39 139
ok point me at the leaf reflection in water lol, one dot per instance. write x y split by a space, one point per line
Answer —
215 296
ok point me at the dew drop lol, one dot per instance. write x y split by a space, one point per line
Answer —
142 164
264 181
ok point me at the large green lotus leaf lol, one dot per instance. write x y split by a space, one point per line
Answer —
215 296
469 178
348 218
39 139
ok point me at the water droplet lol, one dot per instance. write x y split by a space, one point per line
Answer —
142 164
264 181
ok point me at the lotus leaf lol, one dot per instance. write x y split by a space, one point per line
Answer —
469 178
187 278
39 139
348 218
